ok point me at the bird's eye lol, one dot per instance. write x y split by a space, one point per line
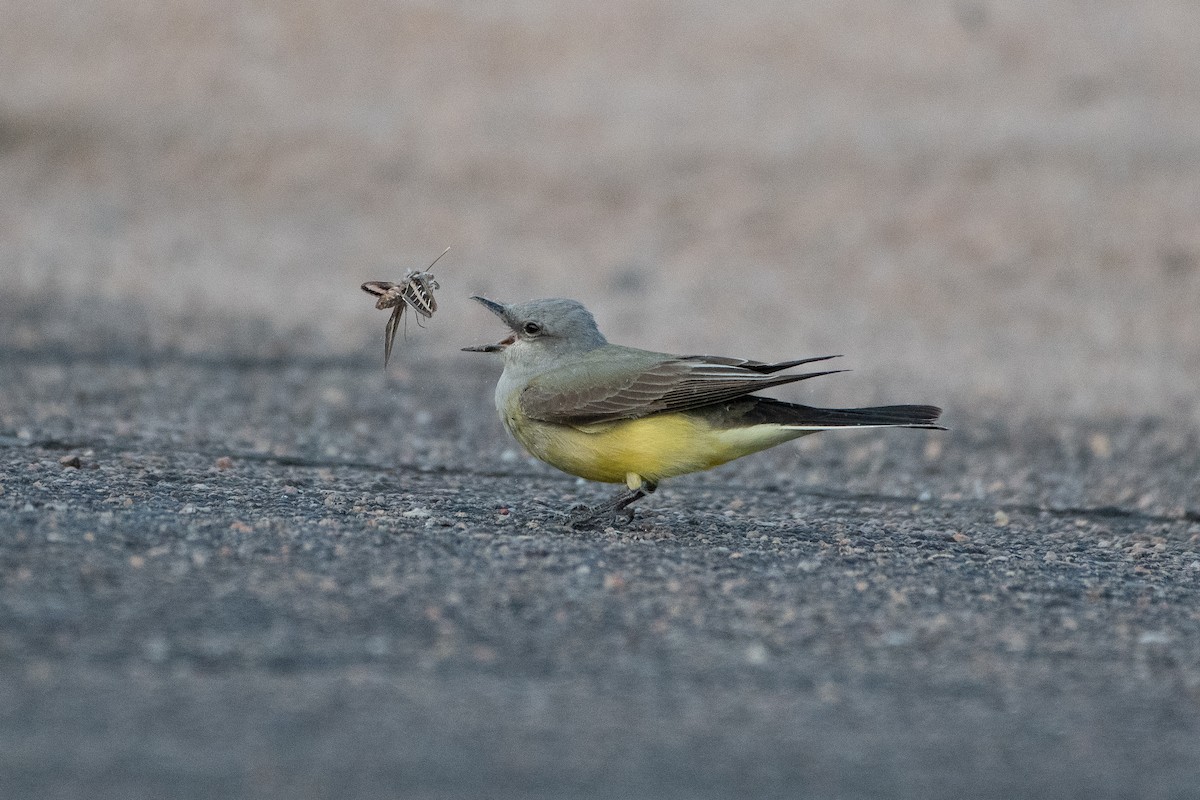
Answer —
532 328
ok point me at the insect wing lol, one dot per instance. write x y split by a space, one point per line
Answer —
389 332
418 287
377 288
389 293
418 293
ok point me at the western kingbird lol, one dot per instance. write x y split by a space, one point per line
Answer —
622 415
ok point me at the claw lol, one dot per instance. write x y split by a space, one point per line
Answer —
582 516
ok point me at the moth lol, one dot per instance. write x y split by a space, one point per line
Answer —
415 291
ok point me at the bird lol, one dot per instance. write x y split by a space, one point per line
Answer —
617 414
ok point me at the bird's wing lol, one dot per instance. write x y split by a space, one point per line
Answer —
766 368
627 384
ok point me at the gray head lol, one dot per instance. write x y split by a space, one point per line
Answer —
542 328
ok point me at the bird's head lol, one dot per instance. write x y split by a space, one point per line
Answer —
542 329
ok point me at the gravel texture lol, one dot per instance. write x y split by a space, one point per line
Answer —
294 577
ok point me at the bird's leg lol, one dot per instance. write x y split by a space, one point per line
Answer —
582 516
585 516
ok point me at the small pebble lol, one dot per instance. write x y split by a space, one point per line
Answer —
756 654
1100 445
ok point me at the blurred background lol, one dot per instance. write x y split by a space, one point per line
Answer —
992 206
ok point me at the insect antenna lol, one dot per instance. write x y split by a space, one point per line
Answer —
439 258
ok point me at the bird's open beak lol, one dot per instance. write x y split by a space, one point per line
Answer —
498 347
499 310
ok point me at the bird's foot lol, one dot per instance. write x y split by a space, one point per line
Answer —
583 517
617 510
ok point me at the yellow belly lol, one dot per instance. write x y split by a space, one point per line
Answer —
651 448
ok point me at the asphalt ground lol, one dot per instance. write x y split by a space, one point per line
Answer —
237 558
283 575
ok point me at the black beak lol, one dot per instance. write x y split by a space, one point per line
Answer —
490 305
499 310
484 348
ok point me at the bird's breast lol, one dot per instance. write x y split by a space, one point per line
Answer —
655 447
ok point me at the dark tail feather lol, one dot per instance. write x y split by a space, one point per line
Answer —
781 413
903 416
